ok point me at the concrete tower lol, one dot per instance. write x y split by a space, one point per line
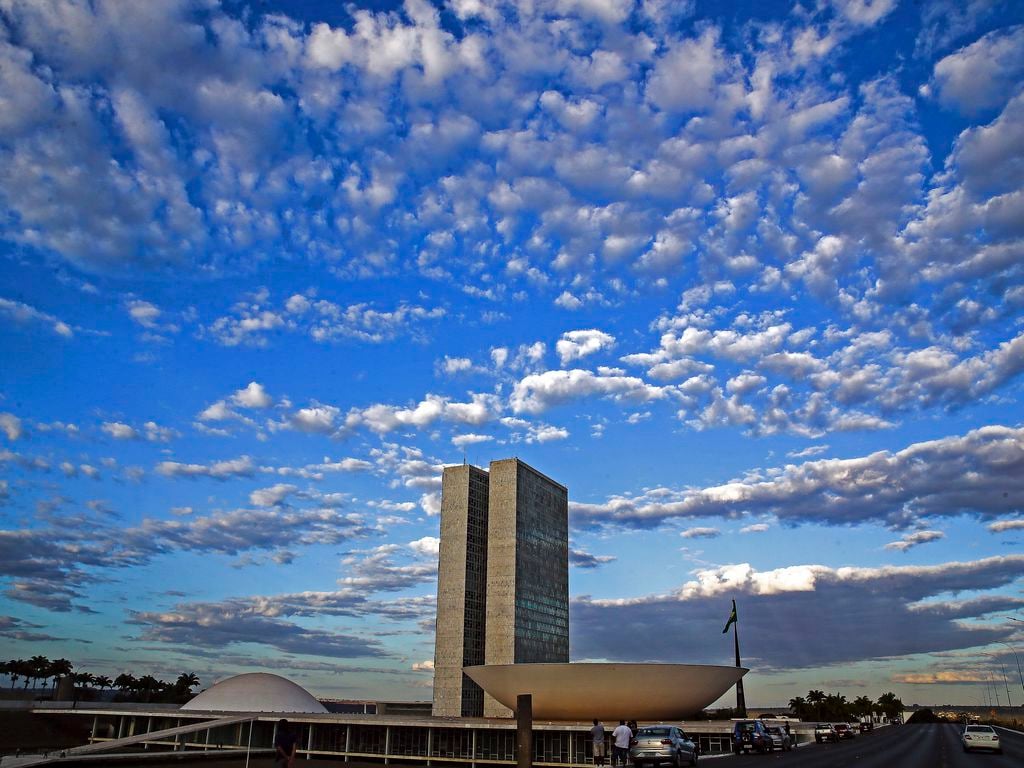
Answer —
527 570
503 579
461 591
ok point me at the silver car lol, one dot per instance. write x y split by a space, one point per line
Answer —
780 739
655 744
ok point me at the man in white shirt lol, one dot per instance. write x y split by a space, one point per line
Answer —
620 749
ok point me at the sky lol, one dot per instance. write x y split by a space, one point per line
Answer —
747 278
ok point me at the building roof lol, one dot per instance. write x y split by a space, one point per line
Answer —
608 692
256 692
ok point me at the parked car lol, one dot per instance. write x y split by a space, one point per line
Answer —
750 735
656 744
845 731
780 739
981 737
866 726
825 732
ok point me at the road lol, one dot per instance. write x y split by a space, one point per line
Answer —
906 746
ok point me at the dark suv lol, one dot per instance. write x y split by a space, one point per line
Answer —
752 735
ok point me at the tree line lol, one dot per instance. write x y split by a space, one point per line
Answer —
834 707
145 688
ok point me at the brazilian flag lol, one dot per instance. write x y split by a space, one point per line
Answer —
732 618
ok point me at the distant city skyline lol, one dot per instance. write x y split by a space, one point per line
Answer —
745 277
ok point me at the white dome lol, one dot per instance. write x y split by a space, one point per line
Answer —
255 692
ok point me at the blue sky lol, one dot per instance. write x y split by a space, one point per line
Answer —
746 278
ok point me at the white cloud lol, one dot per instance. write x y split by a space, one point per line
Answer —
1001 526
887 487
701 533
23 314
157 434
273 496
253 396
537 393
120 431
11 426
983 74
144 313
575 345
453 365
460 441
243 466
684 79
428 546
316 419
915 539
755 528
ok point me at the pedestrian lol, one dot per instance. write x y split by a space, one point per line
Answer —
285 745
597 742
632 727
620 747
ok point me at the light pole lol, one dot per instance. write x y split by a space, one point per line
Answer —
1017 659
996 683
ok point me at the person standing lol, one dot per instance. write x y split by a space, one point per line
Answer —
285 745
597 742
620 748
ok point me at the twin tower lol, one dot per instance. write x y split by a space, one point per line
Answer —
503 579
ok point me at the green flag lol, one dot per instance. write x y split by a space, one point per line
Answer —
732 618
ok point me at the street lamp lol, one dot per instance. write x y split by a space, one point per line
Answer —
995 685
1017 658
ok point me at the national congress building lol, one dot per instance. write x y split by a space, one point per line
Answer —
503 579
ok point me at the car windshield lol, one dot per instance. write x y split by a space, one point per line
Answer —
979 729
775 731
747 726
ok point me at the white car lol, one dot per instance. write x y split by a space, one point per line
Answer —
981 737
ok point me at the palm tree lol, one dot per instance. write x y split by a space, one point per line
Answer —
837 707
24 671
186 682
862 706
147 685
126 682
40 668
890 705
798 706
816 699
102 681
58 669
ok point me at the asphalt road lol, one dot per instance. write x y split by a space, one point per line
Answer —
904 746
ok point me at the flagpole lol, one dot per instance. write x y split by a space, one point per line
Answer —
741 702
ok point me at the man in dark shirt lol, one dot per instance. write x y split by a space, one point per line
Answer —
597 739
285 746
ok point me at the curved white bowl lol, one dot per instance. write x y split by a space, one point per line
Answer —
610 692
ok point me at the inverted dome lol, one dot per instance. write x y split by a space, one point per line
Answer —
608 691
255 692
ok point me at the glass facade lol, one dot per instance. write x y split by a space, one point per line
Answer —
542 569
476 590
